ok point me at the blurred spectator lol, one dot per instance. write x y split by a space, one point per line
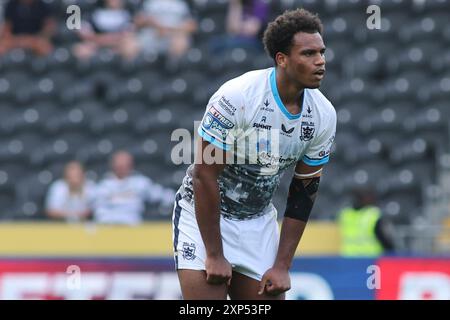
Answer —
2 5
70 198
28 24
122 194
110 26
364 232
165 26
245 23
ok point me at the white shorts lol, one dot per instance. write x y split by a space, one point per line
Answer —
249 245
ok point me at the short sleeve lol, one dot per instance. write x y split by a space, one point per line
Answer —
220 120
55 196
318 152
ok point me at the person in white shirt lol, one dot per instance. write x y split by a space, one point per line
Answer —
165 26
71 198
121 196
110 26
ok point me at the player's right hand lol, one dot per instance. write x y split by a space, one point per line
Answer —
218 270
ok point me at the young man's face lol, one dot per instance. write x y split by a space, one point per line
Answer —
305 63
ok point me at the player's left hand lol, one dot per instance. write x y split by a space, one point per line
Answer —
275 281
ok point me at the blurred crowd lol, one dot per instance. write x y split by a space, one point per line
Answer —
119 198
163 26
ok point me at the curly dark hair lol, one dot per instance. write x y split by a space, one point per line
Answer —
279 33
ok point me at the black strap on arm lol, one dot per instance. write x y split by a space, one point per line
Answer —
302 194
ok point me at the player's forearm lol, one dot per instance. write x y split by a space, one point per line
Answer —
302 194
291 233
56 214
207 204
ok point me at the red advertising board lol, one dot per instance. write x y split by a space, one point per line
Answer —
414 279
83 279
155 278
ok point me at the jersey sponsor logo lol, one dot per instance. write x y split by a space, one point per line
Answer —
307 131
262 126
188 251
328 146
308 114
215 121
227 106
266 106
213 125
286 132
268 160
224 121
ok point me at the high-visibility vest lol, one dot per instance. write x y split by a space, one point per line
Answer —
357 228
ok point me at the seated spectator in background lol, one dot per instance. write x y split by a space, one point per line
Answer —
110 26
165 27
70 198
364 231
245 24
122 194
27 24
2 7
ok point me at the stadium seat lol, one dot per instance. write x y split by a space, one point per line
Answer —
54 150
69 120
17 60
31 192
430 6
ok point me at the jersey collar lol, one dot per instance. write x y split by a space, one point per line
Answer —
276 95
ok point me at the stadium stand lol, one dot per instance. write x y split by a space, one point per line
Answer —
390 88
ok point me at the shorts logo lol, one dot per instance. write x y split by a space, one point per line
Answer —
188 251
308 130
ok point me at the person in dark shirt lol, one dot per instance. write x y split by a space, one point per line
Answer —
28 24
244 26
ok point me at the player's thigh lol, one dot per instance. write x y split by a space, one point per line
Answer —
194 286
246 288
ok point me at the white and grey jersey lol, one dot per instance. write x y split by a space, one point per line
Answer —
247 118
